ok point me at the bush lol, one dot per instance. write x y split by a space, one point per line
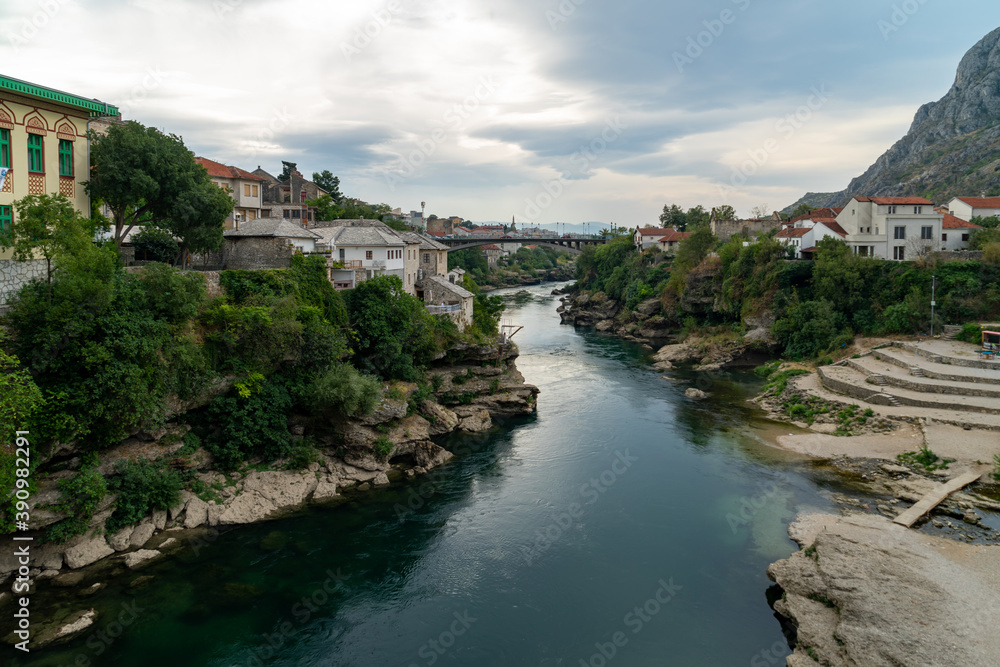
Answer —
80 496
155 245
383 447
250 425
808 330
344 392
172 295
142 486
970 333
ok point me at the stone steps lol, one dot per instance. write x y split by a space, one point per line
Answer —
936 370
852 382
883 374
950 331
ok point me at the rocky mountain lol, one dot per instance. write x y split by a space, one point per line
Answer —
953 146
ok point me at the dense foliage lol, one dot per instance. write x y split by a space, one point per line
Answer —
142 486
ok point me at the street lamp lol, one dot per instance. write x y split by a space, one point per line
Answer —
933 301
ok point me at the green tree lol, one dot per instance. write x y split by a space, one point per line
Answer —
326 180
47 225
674 216
725 212
147 177
155 245
692 251
697 215
807 330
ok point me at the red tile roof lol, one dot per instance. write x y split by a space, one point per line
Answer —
812 249
826 212
896 201
652 231
674 236
793 232
439 235
951 222
219 170
981 202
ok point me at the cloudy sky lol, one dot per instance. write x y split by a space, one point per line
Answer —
547 110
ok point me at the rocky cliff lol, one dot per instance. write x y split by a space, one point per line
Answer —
953 145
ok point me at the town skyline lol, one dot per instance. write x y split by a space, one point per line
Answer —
540 112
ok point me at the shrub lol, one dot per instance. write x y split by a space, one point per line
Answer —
344 392
302 456
383 447
251 425
142 486
970 333
809 329
155 245
80 496
172 295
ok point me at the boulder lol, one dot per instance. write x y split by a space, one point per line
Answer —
388 410
676 354
138 559
326 489
442 420
120 540
696 394
160 519
215 513
266 494
142 533
72 626
649 308
195 512
381 480
429 455
89 550
474 419
68 580
605 325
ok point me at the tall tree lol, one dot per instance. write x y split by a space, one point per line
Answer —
147 177
47 225
802 209
330 183
697 215
286 171
674 216
725 212
760 212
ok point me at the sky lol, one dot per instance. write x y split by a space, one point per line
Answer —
541 110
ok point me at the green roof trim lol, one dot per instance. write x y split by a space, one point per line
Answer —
95 107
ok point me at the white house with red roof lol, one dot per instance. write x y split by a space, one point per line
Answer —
648 237
804 236
669 242
244 187
967 208
955 233
898 228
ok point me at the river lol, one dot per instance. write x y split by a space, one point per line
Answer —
623 525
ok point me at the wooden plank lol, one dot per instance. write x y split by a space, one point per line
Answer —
935 498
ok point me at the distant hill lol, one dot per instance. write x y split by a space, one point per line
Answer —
953 146
813 199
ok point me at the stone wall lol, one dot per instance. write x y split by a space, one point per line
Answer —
257 253
14 274
726 229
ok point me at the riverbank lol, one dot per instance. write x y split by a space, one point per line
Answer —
473 385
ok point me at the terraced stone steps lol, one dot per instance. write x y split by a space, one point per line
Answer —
936 370
883 374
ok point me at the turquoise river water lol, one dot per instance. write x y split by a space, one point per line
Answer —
623 525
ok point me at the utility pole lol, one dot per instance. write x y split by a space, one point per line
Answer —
933 301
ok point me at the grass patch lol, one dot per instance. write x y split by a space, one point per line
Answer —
926 459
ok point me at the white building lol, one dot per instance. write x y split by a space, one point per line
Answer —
955 233
649 237
377 250
967 208
897 228
806 234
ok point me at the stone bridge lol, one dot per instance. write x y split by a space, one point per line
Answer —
571 245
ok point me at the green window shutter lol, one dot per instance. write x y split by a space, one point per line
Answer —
36 162
65 158
6 220
4 148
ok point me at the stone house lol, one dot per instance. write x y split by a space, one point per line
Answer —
245 189
752 228
648 237
266 243
447 299
493 253
43 150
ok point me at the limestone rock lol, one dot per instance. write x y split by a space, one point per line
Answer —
676 354
68 580
195 512
473 419
139 558
215 513
388 410
71 627
160 519
891 596
90 550
267 493
429 455
120 540
326 489
605 325
696 394
142 533
381 480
